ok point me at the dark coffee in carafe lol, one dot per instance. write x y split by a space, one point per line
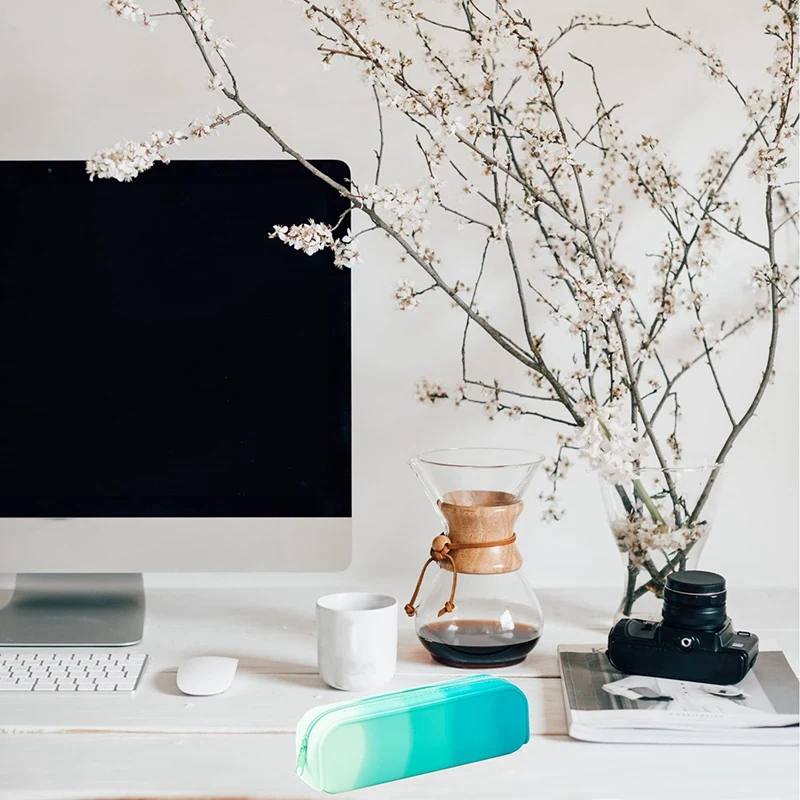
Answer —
478 643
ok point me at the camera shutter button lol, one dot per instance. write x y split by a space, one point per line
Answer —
686 643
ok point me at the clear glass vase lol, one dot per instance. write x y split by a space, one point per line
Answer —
478 610
661 520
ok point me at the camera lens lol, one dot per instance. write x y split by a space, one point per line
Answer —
696 600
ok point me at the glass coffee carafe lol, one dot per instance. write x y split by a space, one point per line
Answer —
478 610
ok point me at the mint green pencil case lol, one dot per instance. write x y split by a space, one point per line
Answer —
391 736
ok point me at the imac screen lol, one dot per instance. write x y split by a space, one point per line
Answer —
160 355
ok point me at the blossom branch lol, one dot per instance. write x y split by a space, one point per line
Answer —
518 156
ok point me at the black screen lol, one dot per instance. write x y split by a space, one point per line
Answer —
160 355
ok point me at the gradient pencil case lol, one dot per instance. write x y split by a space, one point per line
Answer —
391 736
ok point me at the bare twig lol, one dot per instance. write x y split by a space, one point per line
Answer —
379 153
766 377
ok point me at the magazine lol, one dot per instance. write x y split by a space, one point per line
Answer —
604 705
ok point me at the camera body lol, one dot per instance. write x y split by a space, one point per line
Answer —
695 641
638 647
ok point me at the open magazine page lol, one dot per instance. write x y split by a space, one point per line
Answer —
601 700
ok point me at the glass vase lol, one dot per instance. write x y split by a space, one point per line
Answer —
661 520
477 610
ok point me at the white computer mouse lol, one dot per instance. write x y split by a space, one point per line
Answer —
206 675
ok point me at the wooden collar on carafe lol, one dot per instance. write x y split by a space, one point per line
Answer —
481 539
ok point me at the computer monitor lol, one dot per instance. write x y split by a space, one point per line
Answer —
174 385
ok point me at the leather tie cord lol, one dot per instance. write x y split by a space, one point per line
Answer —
440 551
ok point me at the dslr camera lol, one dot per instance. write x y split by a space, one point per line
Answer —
695 640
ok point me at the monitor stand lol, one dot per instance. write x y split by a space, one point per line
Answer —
91 609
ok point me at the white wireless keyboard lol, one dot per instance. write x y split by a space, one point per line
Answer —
36 670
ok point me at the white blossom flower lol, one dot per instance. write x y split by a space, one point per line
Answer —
455 126
609 443
346 251
757 102
405 10
552 509
221 43
499 231
702 331
310 237
126 9
199 18
429 392
133 12
406 206
514 412
219 118
405 294
598 300
491 407
651 174
766 162
638 536
782 276
198 129
601 212
125 160
675 446
214 82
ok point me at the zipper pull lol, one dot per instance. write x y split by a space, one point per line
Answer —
301 758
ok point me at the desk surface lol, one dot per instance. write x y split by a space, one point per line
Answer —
158 743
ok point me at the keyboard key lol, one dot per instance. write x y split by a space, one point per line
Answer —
67 687
86 687
42 686
126 686
106 687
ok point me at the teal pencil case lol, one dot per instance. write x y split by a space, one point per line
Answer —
384 738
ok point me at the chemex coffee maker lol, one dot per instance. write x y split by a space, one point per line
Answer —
479 611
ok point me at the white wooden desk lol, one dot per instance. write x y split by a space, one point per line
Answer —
161 744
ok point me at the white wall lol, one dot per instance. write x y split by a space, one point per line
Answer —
75 78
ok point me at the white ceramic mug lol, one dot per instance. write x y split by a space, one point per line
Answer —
356 640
